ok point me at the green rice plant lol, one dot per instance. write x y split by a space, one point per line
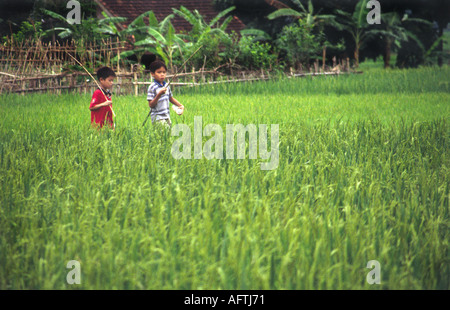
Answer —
363 175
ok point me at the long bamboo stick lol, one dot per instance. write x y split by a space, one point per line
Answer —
114 114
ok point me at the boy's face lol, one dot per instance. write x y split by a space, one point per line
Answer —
107 83
159 75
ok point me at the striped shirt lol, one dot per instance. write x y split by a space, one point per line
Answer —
162 108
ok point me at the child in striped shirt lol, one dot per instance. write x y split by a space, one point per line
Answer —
159 95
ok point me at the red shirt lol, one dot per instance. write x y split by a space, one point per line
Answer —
104 113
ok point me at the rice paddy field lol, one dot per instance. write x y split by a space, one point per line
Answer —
363 175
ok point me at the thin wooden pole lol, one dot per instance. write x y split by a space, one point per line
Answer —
324 56
136 87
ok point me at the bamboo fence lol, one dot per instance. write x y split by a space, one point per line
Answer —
30 66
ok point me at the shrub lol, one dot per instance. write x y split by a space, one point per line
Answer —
256 55
299 44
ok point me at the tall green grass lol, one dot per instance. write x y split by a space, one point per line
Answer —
374 81
363 175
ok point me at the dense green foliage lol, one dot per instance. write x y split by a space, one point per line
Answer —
363 175
299 43
254 14
341 26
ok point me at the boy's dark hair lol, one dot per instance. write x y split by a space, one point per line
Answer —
105 72
156 65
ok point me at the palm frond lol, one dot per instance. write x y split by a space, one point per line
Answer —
166 23
170 37
310 7
139 21
220 15
433 46
226 22
147 41
300 5
285 12
415 39
105 30
157 35
152 20
257 33
360 14
186 14
114 20
54 15
419 20
64 32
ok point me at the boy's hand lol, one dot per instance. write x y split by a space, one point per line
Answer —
178 109
162 92
107 103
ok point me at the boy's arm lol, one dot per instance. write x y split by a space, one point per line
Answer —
154 102
98 98
175 102
98 106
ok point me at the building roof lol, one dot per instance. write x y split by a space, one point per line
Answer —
131 9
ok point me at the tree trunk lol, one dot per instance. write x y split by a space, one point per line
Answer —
387 53
324 58
357 56
441 46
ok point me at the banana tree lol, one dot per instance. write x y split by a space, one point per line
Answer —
308 14
211 35
199 25
85 30
394 32
63 32
155 37
163 44
109 26
356 24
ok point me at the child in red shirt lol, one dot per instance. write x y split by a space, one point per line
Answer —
101 105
